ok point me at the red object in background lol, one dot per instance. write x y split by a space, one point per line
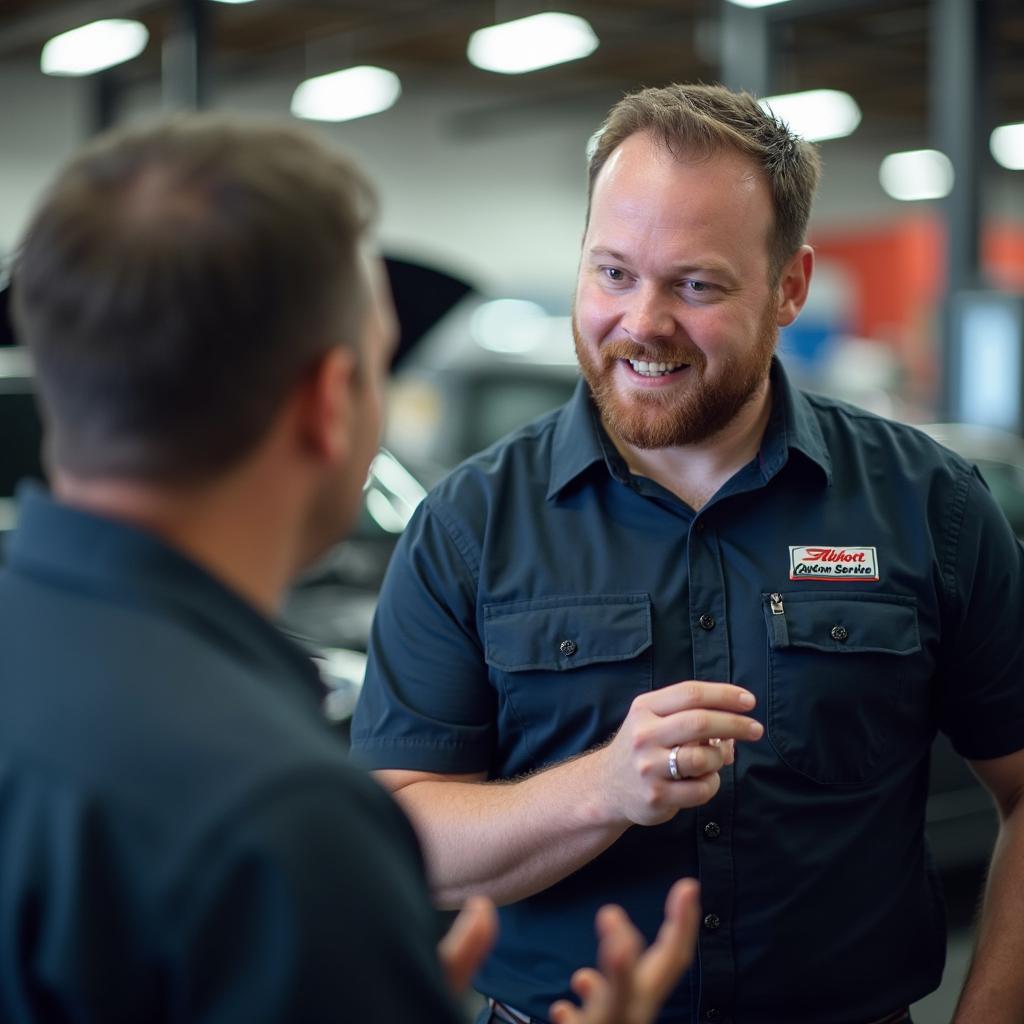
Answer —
899 269
1003 256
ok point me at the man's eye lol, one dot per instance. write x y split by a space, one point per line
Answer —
697 286
614 274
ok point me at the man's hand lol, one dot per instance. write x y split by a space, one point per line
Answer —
467 943
635 783
630 985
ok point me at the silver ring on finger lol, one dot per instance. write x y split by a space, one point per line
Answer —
673 764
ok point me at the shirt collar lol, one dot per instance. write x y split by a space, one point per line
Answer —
116 561
792 426
576 445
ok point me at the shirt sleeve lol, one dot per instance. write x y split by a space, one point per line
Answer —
313 907
427 702
982 691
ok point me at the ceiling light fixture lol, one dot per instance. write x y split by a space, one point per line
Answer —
916 174
346 95
527 44
94 47
757 3
816 115
1007 146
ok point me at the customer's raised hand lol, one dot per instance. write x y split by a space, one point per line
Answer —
630 984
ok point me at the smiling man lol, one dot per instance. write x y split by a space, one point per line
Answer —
618 646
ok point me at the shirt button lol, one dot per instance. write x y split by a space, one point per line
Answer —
712 830
712 922
568 647
706 621
712 1013
839 633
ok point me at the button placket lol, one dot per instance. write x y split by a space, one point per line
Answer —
712 659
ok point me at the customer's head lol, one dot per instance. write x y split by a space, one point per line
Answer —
177 283
694 121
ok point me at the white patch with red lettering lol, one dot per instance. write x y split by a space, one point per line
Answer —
833 563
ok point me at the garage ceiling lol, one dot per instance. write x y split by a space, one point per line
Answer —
877 50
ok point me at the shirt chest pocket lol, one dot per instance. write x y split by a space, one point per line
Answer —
837 669
567 668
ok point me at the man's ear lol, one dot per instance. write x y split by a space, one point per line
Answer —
327 412
794 281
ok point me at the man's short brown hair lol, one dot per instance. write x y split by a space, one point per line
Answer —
175 284
698 120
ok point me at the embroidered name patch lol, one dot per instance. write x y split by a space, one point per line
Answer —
824 563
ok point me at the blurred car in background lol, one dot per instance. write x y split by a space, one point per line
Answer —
21 433
329 609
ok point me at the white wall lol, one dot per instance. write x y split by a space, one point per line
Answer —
504 207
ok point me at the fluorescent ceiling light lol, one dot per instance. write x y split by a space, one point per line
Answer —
527 44
757 3
817 114
234 1
345 95
917 174
94 47
1007 145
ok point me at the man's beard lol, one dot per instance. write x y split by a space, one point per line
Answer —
655 419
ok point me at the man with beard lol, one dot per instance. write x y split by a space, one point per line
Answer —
181 835
699 621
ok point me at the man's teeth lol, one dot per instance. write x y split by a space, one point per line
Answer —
653 369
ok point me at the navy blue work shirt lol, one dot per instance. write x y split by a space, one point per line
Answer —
856 577
181 838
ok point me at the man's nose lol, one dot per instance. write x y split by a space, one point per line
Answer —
649 315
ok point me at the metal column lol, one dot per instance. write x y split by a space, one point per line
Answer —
960 120
744 49
185 58
105 101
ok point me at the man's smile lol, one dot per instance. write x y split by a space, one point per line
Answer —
654 371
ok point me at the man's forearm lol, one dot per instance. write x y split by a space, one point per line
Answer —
508 840
994 990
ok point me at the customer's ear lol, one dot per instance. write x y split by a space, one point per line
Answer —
327 413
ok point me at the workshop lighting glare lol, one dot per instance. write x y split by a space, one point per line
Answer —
916 174
816 115
757 3
94 47
509 325
346 95
527 44
1007 145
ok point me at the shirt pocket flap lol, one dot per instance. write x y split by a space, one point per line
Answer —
872 624
563 633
